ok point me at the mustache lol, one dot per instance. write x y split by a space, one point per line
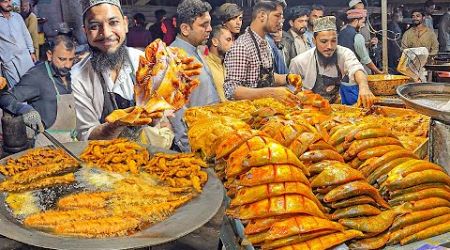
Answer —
106 39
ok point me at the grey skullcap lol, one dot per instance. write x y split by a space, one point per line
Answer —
87 4
324 23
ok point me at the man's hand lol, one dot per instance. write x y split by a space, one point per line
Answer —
32 119
365 97
283 95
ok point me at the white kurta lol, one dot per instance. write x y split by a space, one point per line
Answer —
88 92
305 65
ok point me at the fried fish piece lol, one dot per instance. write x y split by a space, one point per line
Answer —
98 228
51 218
10 186
42 171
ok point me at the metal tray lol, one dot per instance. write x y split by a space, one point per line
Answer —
426 98
185 220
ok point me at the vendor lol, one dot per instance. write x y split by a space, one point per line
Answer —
46 88
324 66
104 80
249 63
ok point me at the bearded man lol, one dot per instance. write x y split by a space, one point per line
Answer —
351 38
294 40
420 35
323 67
44 95
104 80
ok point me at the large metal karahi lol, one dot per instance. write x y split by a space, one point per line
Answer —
427 98
186 219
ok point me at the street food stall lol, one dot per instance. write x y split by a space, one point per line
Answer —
310 175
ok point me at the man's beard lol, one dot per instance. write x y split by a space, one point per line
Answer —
60 71
25 15
416 23
300 31
327 61
6 9
102 61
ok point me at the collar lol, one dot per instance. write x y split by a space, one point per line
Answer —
215 58
295 35
190 49
12 13
260 40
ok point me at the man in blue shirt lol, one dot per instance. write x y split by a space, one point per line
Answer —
194 29
16 46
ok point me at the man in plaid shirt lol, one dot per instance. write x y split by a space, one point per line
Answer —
249 63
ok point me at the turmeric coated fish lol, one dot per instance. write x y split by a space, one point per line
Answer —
355 211
422 194
318 167
377 151
271 174
418 216
357 200
314 156
280 205
417 178
375 224
335 175
361 145
400 234
248 195
325 242
427 233
263 224
384 169
388 157
352 189
294 239
302 224
375 242
273 153
233 141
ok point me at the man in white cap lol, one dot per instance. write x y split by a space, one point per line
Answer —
323 67
103 81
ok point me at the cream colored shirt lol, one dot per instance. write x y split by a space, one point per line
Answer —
217 68
414 38
32 25
300 42
305 65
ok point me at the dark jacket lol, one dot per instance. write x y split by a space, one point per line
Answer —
347 38
289 49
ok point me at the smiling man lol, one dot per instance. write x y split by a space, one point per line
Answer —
324 66
104 80
419 35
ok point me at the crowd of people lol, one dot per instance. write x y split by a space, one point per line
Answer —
72 101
